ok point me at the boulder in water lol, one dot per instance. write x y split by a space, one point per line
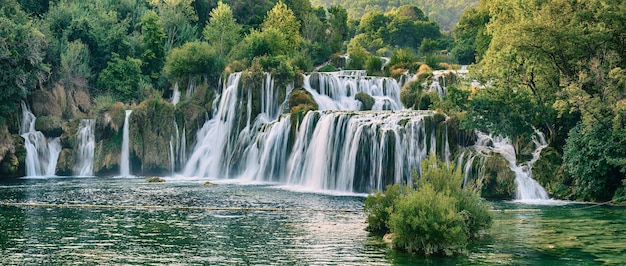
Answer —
208 184
155 179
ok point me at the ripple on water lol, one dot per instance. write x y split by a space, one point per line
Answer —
135 235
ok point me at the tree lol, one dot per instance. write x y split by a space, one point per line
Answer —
153 49
470 35
22 49
122 77
194 59
222 31
338 20
75 64
178 18
282 19
270 42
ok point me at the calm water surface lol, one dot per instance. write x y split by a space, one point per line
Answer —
131 222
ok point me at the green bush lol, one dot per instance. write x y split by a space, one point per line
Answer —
427 222
436 216
380 206
367 101
328 68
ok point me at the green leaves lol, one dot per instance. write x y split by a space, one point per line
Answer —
222 32
194 59
22 48
436 216
122 77
283 20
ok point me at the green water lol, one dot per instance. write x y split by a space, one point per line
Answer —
168 233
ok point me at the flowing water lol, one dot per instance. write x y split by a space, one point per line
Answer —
338 148
124 157
86 141
41 153
126 221
527 188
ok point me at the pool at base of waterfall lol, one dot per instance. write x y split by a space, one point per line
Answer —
112 221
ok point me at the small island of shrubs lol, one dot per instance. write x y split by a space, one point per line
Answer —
435 215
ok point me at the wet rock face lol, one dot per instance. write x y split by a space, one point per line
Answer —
499 180
12 153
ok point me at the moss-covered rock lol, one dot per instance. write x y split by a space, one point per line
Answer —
12 154
44 103
50 126
415 95
550 173
7 145
300 102
155 179
109 139
151 129
367 101
424 72
65 164
499 179
10 165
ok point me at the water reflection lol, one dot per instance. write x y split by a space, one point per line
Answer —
144 234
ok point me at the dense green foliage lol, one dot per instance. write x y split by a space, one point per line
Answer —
445 12
21 57
436 215
122 78
556 66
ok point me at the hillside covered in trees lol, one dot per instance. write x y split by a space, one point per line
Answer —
444 12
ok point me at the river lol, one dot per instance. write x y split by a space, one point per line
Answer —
113 221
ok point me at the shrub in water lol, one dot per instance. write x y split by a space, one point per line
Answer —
436 215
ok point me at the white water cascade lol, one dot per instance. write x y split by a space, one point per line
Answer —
336 90
124 158
527 188
86 141
41 154
334 149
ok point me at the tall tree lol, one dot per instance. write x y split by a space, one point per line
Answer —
153 37
179 21
22 49
222 32
282 19
338 20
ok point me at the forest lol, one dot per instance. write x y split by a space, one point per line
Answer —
444 12
556 66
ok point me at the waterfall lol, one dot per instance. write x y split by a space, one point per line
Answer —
176 94
214 145
124 158
85 141
41 154
527 187
334 149
358 151
336 90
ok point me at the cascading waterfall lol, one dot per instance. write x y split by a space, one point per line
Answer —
124 158
85 139
336 90
358 151
346 151
176 94
214 144
527 187
41 154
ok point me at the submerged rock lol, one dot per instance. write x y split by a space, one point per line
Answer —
155 179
